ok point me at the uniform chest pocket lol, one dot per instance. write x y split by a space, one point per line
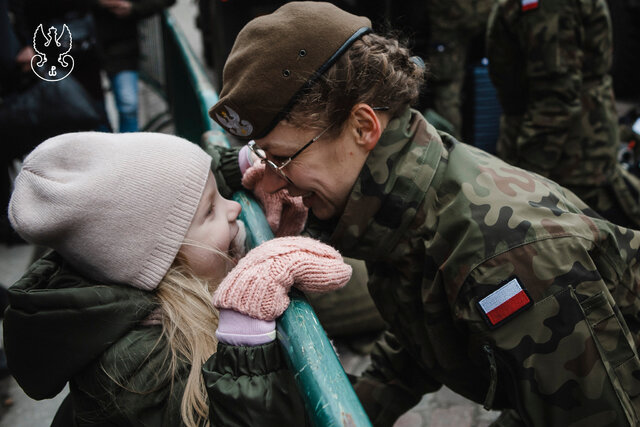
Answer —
615 345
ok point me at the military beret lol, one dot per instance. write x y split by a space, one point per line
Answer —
275 58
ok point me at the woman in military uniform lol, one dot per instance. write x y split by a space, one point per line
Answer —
496 282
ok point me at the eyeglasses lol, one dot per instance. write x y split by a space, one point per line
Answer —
279 168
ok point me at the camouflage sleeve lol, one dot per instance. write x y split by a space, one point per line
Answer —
549 60
569 358
393 383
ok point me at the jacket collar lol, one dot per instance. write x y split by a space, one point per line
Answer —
390 187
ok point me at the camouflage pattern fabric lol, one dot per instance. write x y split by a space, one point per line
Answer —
453 27
441 225
550 66
348 312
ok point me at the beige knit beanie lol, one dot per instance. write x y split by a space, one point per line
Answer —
115 206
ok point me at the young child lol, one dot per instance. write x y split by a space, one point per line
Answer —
122 309
494 281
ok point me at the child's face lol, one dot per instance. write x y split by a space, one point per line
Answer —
211 232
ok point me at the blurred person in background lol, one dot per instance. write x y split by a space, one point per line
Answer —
28 14
456 38
12 64
32 109
550 63
117 35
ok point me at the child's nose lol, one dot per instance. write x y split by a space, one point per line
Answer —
234 211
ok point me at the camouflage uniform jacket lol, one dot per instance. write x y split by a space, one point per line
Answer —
550 66
443 225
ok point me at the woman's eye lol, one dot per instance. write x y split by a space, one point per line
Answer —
210 210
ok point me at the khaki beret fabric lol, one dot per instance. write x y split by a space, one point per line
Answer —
275 57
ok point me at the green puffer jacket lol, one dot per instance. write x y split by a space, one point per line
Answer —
62 328
448 231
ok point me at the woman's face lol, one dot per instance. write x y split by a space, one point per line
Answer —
323 174
211 233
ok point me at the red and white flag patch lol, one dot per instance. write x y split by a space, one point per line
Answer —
505 302
529 4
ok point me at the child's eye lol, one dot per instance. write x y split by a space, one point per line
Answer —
210 210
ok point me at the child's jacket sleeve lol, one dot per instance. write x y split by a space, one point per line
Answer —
251 386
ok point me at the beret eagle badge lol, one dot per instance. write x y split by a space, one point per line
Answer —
232 122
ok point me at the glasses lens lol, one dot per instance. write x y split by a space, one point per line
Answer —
263 158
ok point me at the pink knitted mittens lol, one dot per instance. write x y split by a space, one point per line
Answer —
259 284
285 214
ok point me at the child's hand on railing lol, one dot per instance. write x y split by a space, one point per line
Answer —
285 214
259 284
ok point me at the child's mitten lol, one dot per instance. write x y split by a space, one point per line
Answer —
285 214
259 284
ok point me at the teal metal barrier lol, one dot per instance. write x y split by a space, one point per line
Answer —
189 90
323 384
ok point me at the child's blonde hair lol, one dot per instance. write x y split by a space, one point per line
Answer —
189 320
189 323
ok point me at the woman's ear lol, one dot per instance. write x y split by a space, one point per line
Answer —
368 125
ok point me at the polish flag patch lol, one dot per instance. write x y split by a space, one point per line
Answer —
529 4
504 303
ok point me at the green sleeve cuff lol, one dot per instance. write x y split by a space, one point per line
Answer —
250 386
246 361
226 170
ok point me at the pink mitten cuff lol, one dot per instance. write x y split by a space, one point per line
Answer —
259 284
239 329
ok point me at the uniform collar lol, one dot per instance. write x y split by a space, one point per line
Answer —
390 187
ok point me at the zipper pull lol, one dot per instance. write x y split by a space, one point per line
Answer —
493 371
